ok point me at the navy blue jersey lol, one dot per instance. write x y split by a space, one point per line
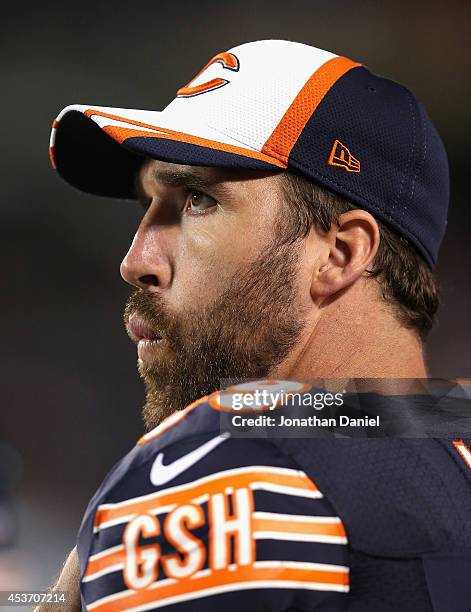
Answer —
192 519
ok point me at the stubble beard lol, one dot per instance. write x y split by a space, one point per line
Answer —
244 333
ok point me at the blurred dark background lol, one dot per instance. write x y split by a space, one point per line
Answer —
72 398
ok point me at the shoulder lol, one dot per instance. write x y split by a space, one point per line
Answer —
215 519
393 494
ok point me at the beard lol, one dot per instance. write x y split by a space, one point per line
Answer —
243 333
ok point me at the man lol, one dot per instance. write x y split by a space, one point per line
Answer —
294 207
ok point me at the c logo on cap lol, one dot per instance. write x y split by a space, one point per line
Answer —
227 60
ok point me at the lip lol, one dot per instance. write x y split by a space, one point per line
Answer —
141 332
146 348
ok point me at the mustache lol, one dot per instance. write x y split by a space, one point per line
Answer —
150 308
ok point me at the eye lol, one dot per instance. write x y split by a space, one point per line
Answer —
198 202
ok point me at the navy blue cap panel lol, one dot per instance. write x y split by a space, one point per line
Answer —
90 160
177 152
370 142
430 188
93 162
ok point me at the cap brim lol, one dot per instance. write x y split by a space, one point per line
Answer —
99 149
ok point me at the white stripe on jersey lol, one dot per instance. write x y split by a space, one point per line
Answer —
298 537
255 485
239 586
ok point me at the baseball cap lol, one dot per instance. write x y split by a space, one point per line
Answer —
276 105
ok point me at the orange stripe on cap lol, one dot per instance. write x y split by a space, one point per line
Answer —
92 112
120 134
52 158
286 133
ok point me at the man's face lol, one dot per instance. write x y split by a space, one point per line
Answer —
217 290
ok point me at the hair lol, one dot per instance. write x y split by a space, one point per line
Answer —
407 283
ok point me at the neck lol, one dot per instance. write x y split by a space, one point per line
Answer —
355 336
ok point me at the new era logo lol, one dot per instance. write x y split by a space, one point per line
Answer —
341 156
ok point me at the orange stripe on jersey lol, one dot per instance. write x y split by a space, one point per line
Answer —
214 399
120 134
325 527
313 526
464 451
286 133
98 563
288 575
170 421
253 477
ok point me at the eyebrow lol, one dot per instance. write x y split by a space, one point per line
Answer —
183 178
176 178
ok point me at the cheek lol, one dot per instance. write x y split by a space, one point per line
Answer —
210 252
203 265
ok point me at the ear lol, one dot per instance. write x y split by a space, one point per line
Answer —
351 247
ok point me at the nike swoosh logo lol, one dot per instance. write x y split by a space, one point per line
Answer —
160 473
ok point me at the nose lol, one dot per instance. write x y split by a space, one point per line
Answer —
146 265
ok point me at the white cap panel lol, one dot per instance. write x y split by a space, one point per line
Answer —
250 106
